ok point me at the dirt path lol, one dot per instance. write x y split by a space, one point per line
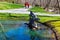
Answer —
25 11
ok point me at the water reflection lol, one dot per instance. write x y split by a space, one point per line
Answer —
22 32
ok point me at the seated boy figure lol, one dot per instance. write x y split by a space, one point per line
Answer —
32 21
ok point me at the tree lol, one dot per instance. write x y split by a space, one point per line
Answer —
33 3
47 5
58 6
40 3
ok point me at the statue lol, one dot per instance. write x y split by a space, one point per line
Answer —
33 18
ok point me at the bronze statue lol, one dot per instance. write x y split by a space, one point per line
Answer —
32 21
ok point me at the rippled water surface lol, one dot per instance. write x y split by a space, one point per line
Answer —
17 30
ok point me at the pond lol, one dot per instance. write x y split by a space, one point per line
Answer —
17 30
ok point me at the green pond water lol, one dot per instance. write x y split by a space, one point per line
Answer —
17 30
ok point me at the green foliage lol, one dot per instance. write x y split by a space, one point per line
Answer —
5 5
5 16
38 9
48 18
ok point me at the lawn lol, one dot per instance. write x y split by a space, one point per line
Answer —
5 5
39 9
48 18
5 16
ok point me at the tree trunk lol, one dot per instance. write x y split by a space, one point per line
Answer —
54 33
33 3
58 6
48 2
40 3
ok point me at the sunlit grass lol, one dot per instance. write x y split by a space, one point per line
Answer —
5 5
48 18
25 17
39 9
56 25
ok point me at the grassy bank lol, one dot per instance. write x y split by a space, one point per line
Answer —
6 16
5 5
38 9
56 25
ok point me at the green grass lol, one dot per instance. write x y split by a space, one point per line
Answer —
48 18
5 5
38 9
5 16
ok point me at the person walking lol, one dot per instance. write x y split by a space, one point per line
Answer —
27 5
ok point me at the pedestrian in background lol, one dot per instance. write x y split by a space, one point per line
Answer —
26 5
